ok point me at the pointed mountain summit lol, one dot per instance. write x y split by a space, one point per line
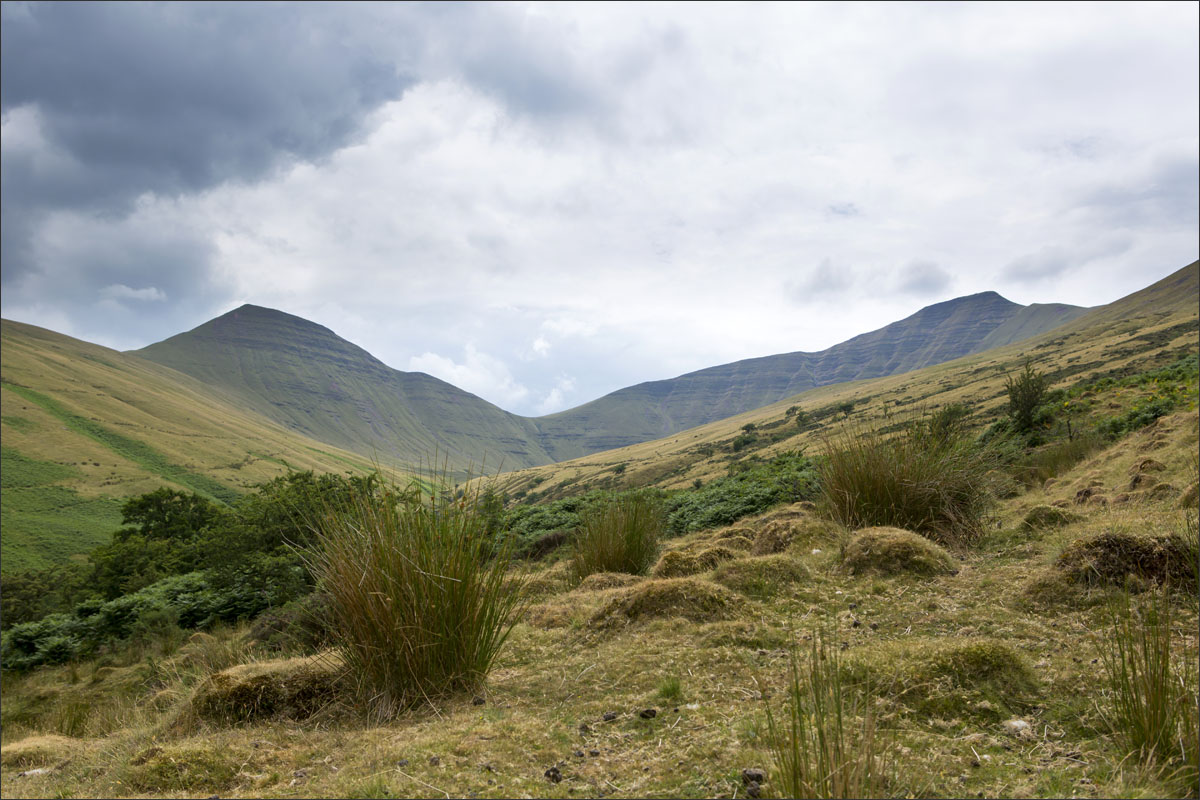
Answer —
307 378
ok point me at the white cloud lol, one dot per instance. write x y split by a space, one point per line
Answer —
119 291
479 373
557 398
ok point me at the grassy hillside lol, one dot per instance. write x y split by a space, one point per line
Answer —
986 678
85 427
1152 327
934 334
310 380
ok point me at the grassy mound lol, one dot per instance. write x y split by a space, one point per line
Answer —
1190 495
599 581
182 768
742 634
739 538
949 679
761 576
779 534
691 598
37 751
1050 590
891 551
1110 557
680 563
293 688
1044 517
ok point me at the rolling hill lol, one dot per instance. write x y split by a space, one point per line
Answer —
85 427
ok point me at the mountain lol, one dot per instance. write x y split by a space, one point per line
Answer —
1151 328
85 427
935 334
307 378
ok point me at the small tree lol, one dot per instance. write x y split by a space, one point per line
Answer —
1025 394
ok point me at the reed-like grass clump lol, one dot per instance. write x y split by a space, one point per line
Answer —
621 535
923 479
419 599
1152 680
828 742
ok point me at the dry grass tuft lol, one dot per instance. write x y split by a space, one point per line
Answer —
37 751
691 598
680 563
1111 557
892 551
761 576
293 688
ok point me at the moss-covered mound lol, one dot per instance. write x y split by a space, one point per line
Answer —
183 768
1190 496
292 688
948 679
761 576
738 537
779 534
1051 591
1045 517
892 551
680 563
691 598
1111 557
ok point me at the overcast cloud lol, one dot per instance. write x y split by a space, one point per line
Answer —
545 203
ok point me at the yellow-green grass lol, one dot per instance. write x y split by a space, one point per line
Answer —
85 427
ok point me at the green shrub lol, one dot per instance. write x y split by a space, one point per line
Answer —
620 536
418 595
1025 394
937 486
827 743
787 478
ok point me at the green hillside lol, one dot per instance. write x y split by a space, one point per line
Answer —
305 377
933 335
85 427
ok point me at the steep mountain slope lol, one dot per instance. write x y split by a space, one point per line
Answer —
307 378
1147 329
85 427
935 334
304 376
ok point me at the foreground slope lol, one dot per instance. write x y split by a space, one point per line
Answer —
85 427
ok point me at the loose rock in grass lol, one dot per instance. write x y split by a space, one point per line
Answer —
892 551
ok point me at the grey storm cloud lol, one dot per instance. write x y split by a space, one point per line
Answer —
171 98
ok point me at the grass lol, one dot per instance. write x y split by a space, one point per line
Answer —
420 603
937 486
620 536
1152 686
828 742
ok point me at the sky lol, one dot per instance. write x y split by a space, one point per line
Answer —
543 203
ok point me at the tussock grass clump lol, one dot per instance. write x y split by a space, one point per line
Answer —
827 742
892 551
420 593
1152 682
37 751
294 688
1044 517
182 768
621 535
762 576
934 483
1110 557
949 679
679 563
691 598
